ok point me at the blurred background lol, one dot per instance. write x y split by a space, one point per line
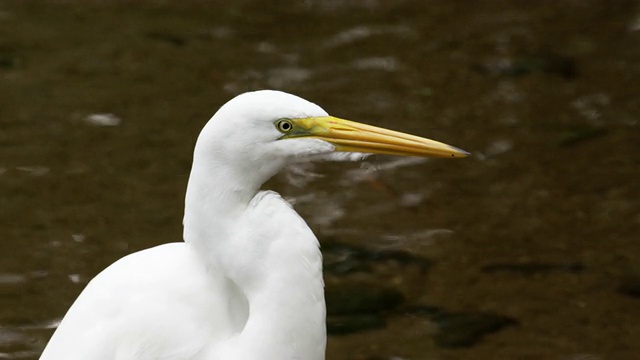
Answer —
528 249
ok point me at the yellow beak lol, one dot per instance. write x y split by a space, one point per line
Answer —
351 136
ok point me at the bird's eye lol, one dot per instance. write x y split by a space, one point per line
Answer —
284 125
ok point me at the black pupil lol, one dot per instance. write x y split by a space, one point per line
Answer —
285 126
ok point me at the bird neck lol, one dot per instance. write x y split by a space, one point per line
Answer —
224 179
216 197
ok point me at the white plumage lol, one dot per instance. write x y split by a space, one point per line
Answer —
246 283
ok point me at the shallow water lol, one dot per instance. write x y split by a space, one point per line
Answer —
101 103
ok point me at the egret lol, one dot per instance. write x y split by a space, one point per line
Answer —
246 283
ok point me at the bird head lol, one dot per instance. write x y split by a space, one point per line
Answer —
264 130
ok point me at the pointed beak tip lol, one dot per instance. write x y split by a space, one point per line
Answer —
459 152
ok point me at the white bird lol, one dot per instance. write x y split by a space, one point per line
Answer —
246 283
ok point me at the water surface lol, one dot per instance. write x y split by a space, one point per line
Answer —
101 102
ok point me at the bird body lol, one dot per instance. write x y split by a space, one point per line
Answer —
145 303
246 283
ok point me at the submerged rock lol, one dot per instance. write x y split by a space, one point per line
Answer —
463 329
343 259
579 136
167 37
360 298
466 329
548 63
356 301
355 307
630 286
532 268
342 325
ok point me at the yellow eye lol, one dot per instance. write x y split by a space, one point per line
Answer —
284 125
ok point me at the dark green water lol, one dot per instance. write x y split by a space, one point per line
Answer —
541 225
